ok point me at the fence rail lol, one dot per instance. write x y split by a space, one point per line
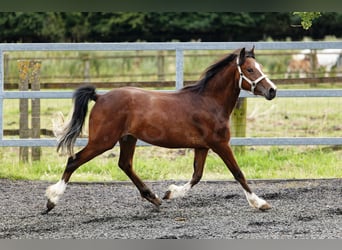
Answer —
179 49
169 84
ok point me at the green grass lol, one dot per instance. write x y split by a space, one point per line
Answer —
281 117
153 163
69 66
294 117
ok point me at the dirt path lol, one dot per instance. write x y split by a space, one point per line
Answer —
307 209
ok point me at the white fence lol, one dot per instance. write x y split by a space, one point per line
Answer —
179 49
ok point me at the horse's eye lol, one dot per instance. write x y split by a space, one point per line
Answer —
250 70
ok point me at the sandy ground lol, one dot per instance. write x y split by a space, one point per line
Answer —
307 209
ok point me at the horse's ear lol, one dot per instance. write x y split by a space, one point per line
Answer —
252 50
242 56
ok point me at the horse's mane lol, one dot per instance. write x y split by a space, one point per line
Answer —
212 70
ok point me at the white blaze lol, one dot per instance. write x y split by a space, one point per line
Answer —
258 67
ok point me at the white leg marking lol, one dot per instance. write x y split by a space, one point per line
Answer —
256 202
178 191
55 191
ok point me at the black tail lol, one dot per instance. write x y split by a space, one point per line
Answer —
74 127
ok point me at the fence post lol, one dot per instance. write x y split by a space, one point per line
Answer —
6 67
161 65
29 72
23 107
86 63
35 106
314 64
239 121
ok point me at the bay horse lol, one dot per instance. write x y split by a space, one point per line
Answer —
196 116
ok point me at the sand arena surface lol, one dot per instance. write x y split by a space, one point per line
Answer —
306 209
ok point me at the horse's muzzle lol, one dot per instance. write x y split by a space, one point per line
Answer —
271 93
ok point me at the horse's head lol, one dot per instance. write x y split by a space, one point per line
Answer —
251 77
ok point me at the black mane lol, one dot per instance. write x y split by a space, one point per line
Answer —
212 70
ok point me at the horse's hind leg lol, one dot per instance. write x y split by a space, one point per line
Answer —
127 147
55 192
180 191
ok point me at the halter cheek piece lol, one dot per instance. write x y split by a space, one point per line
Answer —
243 77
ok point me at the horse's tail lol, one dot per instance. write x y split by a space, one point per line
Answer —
73 128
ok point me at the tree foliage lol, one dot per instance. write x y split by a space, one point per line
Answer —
163 26
307 18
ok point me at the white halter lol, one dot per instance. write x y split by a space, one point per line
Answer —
242 76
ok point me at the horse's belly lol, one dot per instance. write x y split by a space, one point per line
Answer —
170 138
176 144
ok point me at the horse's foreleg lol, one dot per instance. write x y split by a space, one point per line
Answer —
55 191
127 148
180 191
225 152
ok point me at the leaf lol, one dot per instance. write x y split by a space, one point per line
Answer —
307 18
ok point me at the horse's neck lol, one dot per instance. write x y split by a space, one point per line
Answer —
231 99
225 91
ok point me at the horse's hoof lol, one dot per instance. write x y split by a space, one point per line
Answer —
49 206
167 195
151 197
157 201
265 207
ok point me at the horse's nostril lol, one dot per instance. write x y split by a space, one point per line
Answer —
271 93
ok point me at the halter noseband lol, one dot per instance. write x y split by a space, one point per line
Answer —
242 76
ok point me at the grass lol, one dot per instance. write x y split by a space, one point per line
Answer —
70 66
282 117
153 163
294 117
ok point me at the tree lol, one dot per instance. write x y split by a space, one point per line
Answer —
307 18
31 27
165 26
